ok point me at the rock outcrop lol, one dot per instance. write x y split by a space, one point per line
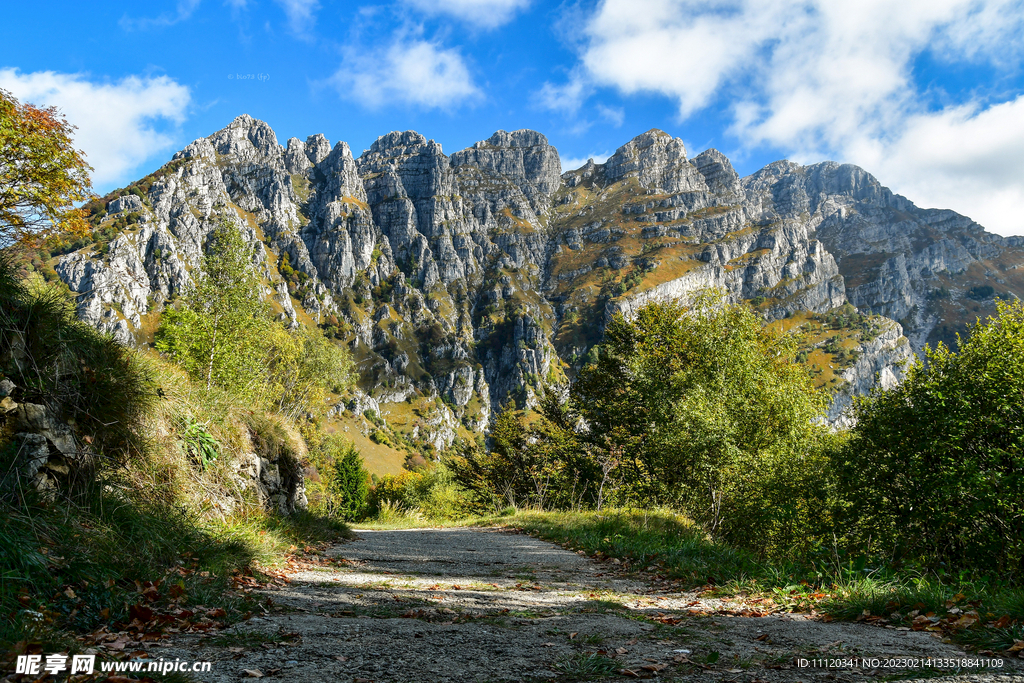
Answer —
480 277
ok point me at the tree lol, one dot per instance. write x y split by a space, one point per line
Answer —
684 402
219 331
42 175
935 469
350 484
302 367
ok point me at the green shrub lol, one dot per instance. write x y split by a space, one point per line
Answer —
981 292
433 493
935 470
341 487
350 485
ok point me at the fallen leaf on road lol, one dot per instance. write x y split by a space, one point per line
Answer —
253 673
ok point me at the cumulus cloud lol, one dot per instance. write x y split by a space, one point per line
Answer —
485 14
822 79
406 71
963 158
120 125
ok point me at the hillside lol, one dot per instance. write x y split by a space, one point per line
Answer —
461 281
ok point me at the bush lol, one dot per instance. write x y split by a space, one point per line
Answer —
341 486
434 493
935 470
982 292
683 403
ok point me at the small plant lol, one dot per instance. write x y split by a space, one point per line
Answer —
200 444
585 665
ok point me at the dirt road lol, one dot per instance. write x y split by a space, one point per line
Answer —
460 605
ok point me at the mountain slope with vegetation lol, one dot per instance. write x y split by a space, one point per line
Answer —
461 282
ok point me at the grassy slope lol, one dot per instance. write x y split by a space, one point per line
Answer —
162 522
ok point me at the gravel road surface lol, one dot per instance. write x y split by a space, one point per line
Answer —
461 605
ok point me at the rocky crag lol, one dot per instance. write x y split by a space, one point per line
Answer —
470 279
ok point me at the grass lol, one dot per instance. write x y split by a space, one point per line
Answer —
658 539
585 666
84 566
671 546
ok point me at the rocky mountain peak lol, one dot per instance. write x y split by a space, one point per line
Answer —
246 138
317 148
523 156
658 161
718 173
402 143
464 281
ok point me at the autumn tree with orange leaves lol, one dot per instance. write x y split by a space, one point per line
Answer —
42 175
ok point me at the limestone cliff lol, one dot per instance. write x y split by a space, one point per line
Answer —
472 278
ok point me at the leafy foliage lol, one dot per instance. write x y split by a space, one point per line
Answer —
686 402
433 492
302 366
221 333
217 333
935 469
544 466
201 445
349 485
42 175
700 409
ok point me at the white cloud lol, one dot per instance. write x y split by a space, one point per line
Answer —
482 13
963 158
823 79
120 125
613 115
408 70
571 164
301 14
182 11
566 98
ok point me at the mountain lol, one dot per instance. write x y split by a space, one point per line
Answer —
461 281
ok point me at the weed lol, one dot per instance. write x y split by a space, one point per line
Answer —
247 638
585 666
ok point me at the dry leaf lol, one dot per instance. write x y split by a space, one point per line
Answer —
572 636
253 673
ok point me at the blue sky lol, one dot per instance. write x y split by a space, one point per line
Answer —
928 95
